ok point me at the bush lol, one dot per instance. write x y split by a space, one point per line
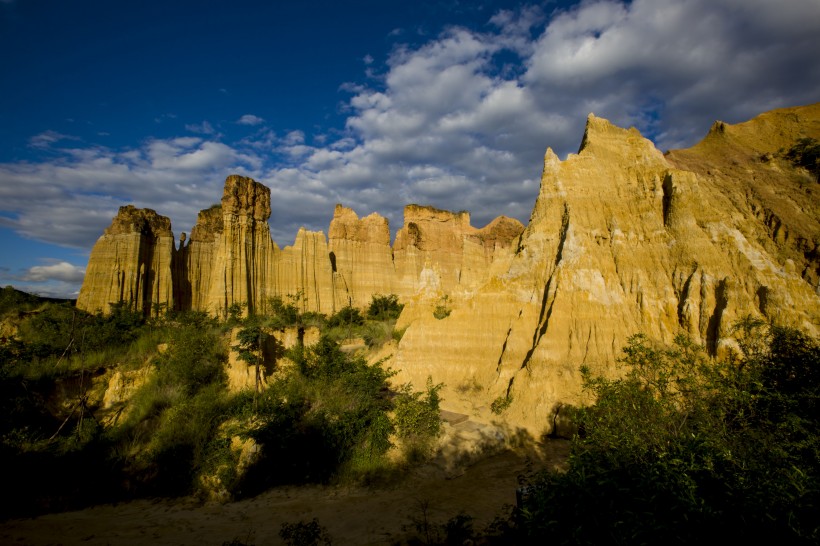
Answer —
684 449
418 417
501 404
305 534
384 307
346 316
805 153
327 416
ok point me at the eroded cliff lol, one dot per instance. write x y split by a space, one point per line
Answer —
622 239
131 263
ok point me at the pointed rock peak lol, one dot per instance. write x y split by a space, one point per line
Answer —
245 196
550 158
596 130
606 141
718 128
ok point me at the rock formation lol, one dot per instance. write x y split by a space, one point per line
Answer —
622 239
230 257
131 263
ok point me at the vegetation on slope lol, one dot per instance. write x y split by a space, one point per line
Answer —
684 449
328 416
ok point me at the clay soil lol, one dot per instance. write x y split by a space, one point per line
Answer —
360 516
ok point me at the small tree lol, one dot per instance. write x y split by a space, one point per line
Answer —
384 307
249 349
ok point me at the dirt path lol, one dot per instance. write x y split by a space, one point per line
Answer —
357 516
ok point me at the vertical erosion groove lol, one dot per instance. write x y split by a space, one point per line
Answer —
548 299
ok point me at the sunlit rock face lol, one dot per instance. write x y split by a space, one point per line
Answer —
230 258
622 239
131 264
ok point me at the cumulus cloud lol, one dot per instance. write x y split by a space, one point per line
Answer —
60 271
250 119
459 121
69 200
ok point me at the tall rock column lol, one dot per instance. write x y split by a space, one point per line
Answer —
242 261
131 264
360 256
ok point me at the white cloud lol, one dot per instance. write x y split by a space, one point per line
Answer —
60 271
250 119
460 121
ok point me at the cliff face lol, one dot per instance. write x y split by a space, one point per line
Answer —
621 240
230 257
131 263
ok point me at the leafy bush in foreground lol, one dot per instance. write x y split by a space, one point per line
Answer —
682 449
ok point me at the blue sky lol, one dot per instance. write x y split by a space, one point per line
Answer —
372 104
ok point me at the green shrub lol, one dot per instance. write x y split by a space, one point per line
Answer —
442 310
305 534
683 449
384 307
326 418
284 314
418 416
501 404
346 317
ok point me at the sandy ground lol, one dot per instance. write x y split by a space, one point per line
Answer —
357 516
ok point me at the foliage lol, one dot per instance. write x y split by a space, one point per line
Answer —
442 310
328 416
193 360
501 404
384 307
682 448
424 530
805 153
305 534
284 314
15 301
417 414
346 316
234 312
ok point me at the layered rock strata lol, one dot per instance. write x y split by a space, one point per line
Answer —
230 258
131 263
621 240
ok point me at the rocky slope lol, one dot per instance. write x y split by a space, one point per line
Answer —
622 239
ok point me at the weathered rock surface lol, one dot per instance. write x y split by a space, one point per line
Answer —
621 240
131 263
231 259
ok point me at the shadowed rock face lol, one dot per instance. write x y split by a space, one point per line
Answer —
131 263
622 239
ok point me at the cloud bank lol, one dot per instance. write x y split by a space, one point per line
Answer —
460 121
